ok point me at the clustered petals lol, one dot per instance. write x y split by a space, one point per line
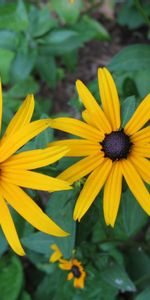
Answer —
110 152
76 271
16 172
73 266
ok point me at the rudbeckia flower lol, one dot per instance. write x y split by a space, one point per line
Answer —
76 271
15 172
111 151
56 255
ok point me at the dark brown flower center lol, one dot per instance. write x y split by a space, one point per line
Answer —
76 272
116 145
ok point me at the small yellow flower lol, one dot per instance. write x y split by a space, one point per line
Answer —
76 271
15 172
111 151
56 255
71 1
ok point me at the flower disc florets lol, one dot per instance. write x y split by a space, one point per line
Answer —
76 272
116 145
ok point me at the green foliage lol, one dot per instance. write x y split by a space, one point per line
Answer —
144 295
116 276
31 38
131 59
61 204
68 13
11 279
134 14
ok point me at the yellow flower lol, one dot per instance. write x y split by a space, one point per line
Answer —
76 271
15 171
73 265
56 255
110 151
71 1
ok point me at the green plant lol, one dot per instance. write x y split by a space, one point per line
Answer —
34 41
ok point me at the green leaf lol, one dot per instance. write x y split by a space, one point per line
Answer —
59 36
11 278
41 141
3 243
9 39
38 242
116 276
60 209
140 262
48 287
131 58
46 67
142 82
127 109
130 16
71 60
25 296
45 106
6 57
68 13
41 21
61 41
13 16
89 28
144 295
134 218
129 87
23 64
22 89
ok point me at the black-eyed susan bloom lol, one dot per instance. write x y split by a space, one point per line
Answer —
110 150
76 271
15 172
73 266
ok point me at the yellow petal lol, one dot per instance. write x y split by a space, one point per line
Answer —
34 180
35 158
1 105
141 149
12 143
22 116
142 166
112 194
70 276
140 117
29 210
56 255
81 168
77 127
9 229
91 188
109 97
79 283
78 147
136 185
142 136
94 110
86 117
65 264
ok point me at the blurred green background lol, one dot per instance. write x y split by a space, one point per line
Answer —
44 47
